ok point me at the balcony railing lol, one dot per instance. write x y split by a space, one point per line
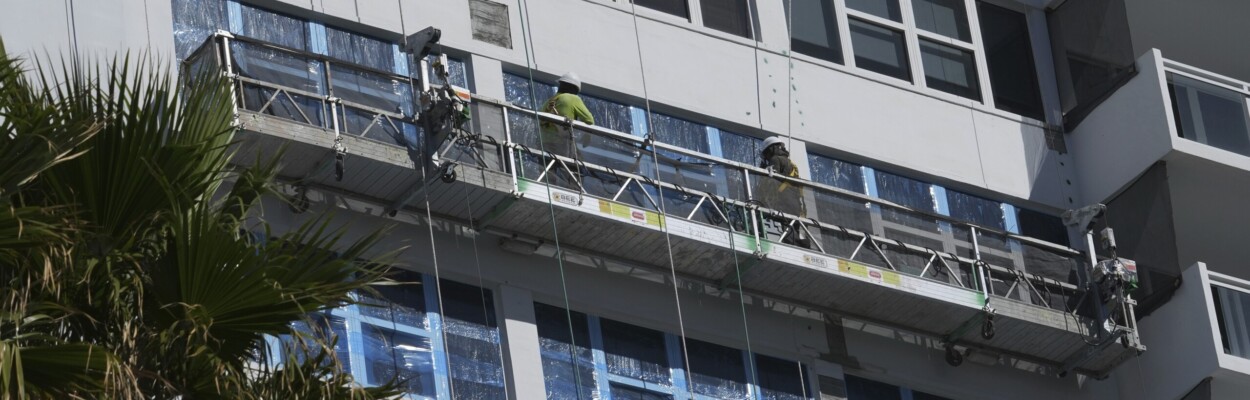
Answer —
672 182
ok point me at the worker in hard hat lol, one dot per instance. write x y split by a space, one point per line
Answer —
780 194
557 138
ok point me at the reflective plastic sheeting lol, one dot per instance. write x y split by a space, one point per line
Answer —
274 28
635 352
679 132
360 49
717 371
780 379
396 355
568 364
473 339
977 210
741 148
456 70
194 21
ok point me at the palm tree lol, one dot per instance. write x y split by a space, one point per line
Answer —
126 258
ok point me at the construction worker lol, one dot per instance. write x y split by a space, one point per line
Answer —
566 103
780 194
557 138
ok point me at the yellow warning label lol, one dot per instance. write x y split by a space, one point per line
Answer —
633 214
853 268
890 278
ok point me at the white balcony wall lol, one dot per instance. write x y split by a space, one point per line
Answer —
1125 134
1184 346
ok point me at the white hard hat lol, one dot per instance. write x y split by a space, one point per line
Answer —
572 79
771 141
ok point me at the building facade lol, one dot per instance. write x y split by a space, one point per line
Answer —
938 143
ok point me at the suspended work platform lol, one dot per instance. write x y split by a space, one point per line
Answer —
633 200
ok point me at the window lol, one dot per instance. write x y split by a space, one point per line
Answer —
473 354
977 210
866 389
814 29
394 355
741 148
621 392
456 70
563 345
274 28
1009 55
780 379
887 9
943 17
676 7
950 69
360 49
904 191
194 21
717 371
1209 114
729 16
879 49
836 173
635 352
1042 226
679 132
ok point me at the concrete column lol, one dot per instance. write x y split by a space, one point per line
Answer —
521 349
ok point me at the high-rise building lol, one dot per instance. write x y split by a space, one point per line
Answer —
920 253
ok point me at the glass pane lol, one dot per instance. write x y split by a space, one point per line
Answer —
1042 226
402 304
836 173
950 70
904 191
879 49
456 70
328 328
610 114
882 8
517 91
866 389
621 392
945 17
275 28
814 29
360 49
635 352
194 21
675 7
1013 79
679 132
741 148
560 344
915 395
730 16
780 379
473 353
975 209
396 355
1211 115
717 371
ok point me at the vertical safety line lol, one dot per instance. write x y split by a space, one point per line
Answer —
655 160
527 35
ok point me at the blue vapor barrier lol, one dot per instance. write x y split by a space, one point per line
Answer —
194 21
638 363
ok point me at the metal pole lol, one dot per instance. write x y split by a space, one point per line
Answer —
1091 287
755 226
982 273
507 137
234 95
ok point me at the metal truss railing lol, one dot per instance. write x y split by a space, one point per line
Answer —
680 183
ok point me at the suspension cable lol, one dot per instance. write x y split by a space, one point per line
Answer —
655 160
528 43
429 220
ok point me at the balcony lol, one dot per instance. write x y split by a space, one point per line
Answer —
630 199
1201 338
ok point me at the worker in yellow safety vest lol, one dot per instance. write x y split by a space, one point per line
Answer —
558 139
780 194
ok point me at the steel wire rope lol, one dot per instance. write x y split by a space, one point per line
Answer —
477 260
742 301
527 37
655 160
429 220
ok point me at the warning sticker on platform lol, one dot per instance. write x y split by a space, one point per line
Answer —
813 260
565 198
637 216
884 277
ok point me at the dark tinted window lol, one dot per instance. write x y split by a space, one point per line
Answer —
887 9
814 29
731 16
944 17
866 389
879 49
950 69
1042 226
676 7
636 352
1009 54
